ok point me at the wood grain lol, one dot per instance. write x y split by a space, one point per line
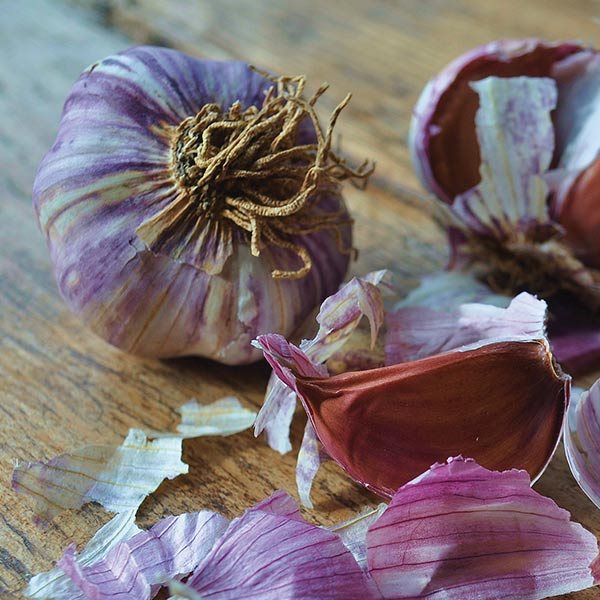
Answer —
61 387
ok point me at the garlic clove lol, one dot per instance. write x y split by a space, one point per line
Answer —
580 215
577 114
501 403
576 201
443 141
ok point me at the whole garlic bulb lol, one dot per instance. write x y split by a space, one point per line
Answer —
190 205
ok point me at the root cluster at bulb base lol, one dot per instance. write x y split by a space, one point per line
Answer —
546 268
244 168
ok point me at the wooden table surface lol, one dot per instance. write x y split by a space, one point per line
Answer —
60 386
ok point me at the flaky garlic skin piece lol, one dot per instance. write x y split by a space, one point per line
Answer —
190 205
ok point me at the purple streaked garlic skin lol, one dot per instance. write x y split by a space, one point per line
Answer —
457 531
111 171
444 116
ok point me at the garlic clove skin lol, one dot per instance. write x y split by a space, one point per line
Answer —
382 426
581 434
580 215
110 171
502 403
442 138
576 200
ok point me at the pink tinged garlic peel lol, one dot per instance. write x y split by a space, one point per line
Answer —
141 263
274 556
138 567
448 290
456 531
460 532
58 585
338 318
582 441
385 426
575 73
418 331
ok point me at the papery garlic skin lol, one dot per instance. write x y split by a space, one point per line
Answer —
109 171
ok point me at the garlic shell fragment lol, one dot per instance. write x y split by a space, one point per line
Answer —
502 403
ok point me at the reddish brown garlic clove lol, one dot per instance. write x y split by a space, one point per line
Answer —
501 404
443 142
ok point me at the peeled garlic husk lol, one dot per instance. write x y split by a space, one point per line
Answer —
501 402
166 236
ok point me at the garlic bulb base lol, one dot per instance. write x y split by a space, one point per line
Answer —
546 268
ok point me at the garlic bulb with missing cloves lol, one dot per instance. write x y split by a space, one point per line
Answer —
190 205
508 136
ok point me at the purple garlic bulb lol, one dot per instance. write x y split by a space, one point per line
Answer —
191 205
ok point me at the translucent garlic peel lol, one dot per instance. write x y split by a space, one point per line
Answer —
56 583
132 568
310 457
110 171
120 477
